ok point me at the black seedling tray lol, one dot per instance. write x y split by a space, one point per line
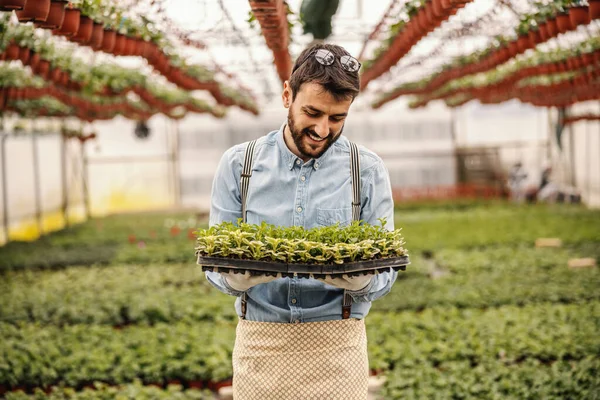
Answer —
271 268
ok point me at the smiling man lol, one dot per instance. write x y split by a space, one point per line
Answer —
304 338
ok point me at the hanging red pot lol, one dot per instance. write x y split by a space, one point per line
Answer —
523 43
543 30
552 27
12 52
9 5
43 68
54 75
513 48
563 22
108 40
534 38
119 44
56 15
97 36
34 60
438 10
34 10
64 80
129 47
71 23
24 55
587 59
594 9
579 15
84 34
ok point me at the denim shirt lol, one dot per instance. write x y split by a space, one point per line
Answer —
285 191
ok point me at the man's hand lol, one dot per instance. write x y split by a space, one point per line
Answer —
353 283
243 282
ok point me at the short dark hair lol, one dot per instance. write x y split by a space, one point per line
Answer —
340 83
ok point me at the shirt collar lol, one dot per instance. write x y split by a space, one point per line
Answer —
292 160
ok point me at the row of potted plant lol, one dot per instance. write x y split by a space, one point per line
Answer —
106 28
582 117
557 90
272 17
582 55
63 70
549 21
416 20
16 85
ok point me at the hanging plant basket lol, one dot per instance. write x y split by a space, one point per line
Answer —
97 36
579 15
9 5
129 47
12 52
594 9
108 40
34 10
119 44
24 55
34 60
552 27
56 16
71 23
84 34
563 22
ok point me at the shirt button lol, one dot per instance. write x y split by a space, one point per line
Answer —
302 178
298 162
297 321
316 165
294 301
299 209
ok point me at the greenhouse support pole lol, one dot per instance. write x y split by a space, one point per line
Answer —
4 191
63 172
36 183
85 180
572 155
175 166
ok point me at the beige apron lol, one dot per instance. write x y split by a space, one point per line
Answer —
313 360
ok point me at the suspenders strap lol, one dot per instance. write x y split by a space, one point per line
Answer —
244 183
355 173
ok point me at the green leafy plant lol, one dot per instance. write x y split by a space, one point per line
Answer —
332 244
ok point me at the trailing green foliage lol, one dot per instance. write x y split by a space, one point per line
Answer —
331 244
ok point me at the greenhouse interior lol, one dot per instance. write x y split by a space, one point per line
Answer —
147 204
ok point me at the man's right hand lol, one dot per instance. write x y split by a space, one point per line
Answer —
243 282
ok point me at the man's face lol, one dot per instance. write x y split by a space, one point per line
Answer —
315 120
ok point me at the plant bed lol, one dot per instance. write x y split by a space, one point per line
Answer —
306 253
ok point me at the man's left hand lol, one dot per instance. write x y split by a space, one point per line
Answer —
353 283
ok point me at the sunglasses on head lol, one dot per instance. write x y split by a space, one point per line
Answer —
327 58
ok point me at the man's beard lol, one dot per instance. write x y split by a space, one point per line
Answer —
305 148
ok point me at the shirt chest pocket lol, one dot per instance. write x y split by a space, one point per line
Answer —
331 216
